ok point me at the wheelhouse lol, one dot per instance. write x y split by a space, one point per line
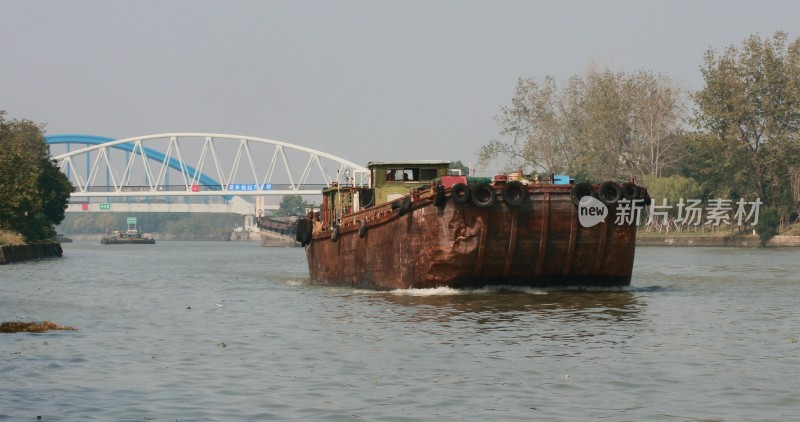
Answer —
389 181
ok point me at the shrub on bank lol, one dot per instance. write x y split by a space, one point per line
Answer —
10 238
768 225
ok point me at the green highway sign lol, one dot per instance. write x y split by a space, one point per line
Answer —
104 207
131 220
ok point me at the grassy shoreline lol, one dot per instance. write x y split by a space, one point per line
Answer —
785 230
673 233
8 238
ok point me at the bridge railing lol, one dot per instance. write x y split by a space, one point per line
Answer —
201 163
181 190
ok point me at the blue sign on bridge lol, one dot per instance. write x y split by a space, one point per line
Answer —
249 187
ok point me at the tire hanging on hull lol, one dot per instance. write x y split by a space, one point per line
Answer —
610 193
303 231
405 206
362 228
514 193
579 191
630 191
460 193
440 200
644 196
483 195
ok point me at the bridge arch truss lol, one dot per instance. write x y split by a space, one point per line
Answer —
198 164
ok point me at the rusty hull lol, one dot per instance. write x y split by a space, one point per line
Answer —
538 243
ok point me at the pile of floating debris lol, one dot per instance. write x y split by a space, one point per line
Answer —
31 327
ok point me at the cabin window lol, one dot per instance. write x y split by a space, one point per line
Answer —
427 174
394 175
400 175
410 174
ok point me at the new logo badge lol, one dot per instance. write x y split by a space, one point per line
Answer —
591 211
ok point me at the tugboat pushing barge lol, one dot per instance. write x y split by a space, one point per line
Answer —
415 226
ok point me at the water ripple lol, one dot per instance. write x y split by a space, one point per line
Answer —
231 331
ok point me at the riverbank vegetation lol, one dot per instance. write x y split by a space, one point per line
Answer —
33 191
172 225
740 141
10 238
167 225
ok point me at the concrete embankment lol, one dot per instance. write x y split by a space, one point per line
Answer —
749 241
245 236
17 253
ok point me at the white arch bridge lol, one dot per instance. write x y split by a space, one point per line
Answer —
193 172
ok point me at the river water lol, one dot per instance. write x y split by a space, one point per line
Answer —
231 331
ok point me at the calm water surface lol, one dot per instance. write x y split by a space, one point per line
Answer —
228 331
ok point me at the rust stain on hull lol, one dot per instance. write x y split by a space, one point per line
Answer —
538 242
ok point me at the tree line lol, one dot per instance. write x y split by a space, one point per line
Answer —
33 191
741 139
169 225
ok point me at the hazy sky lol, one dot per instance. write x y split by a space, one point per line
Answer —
366 80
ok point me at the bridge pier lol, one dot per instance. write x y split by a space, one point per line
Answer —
249 222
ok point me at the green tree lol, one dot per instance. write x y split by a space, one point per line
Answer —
33 191
751 104
604 125
710 163
672 189
459 166
292 205
532 124
768 224
656 142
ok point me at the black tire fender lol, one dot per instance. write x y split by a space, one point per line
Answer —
483 195
405 206
514 193
440 200
579 191
299 233
335 233
307 235
610 192
460 193
362 228
630 191
645 196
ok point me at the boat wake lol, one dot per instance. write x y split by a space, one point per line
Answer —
500 289
450 291
297 282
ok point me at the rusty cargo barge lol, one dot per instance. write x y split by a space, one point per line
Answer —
415 226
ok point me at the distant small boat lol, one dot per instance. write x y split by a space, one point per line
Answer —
60 238
131 236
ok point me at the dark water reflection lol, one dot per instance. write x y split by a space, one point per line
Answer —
487 307
529 323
